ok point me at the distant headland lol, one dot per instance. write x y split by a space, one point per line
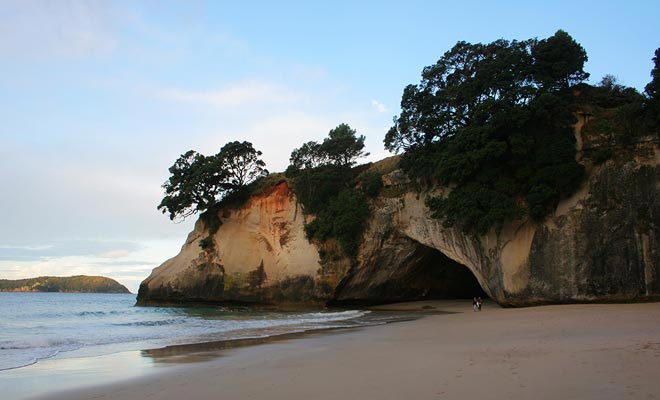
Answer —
67 284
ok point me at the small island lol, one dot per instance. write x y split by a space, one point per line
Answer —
67 284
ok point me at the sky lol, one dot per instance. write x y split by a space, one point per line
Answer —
99 98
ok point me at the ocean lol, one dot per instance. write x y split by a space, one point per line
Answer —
39 326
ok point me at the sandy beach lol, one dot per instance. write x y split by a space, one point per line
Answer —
599 351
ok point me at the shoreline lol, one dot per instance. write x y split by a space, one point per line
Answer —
61 372
609 351
36 381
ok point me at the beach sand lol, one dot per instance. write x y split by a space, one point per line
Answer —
599 351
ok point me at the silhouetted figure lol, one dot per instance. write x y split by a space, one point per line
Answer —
475 304
479 303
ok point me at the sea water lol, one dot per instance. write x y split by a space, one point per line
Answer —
39 326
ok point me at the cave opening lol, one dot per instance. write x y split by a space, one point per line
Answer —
434 276
409 271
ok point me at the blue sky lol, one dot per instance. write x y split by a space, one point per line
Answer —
98 98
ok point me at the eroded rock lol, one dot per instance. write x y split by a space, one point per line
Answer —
602 244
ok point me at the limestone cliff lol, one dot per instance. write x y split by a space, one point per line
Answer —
260 254
600 245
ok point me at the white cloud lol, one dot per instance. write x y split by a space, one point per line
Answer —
83 191
114 254
25 248
278 135
41 28
130 276
274 116
70 247
245 93
276 132
128 271
379 106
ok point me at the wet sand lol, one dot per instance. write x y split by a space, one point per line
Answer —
603 351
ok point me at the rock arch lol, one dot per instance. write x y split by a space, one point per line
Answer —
406 270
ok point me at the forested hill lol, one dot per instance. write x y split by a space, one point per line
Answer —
69 284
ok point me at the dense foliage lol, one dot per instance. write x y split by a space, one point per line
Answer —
340 149
618 118
653 90
198 182
342 218
494 121
615 116
325 182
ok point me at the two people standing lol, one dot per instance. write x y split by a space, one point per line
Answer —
476 303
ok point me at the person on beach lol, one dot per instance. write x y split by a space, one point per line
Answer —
479 303
474 304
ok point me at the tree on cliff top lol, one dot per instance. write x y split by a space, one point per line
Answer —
341 148
198 182
321 170
242 164
324 182
494 121
558 61
472 83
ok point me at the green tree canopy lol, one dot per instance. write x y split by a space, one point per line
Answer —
473 82
343 218
195 184
198 182
342 146
309 155
495 122
558 61
324 181
241 163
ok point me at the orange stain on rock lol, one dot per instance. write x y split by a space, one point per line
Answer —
272 207
275 199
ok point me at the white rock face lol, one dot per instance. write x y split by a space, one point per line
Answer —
268 231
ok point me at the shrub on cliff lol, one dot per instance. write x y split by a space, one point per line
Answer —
494 121
343 219
341 148
324 182
614 116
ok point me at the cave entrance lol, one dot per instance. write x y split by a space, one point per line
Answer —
407 271
431 275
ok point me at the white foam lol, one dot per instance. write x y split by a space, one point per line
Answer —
93 325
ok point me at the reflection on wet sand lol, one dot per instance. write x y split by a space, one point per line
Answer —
199 352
